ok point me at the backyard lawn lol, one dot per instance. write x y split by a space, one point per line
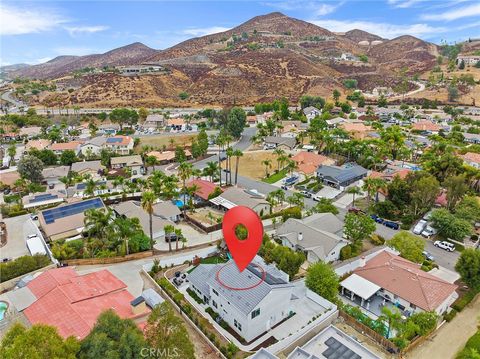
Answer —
202 215
159 141
275 177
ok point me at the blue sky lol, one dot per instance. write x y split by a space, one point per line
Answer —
36 31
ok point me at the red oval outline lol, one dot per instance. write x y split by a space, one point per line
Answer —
262 279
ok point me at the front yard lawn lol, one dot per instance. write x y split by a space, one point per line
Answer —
275 177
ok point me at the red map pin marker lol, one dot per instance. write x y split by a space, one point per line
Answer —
243 251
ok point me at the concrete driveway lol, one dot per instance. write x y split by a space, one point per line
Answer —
193 237
17 230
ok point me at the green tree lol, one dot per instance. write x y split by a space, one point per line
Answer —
68 157
449 226
148 199
363 58
372 186
124 116
143 113
409 245
48 157
452 93
12 151
393 139
236 121
336 96
324 205
168 230
358 227
426 322
322 279
38 342
30 168
166 332
113 337
184 173
468 209
456 188
423 193
183 95
354 191
468 266
461 66
382 101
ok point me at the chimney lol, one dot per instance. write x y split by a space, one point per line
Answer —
362 262
300 236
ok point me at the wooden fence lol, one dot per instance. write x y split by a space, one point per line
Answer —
108 260
378 338
201 226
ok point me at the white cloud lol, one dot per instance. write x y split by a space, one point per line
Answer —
382 29
18 21
403 4
325 9
205 31
77 30
40 61
454 14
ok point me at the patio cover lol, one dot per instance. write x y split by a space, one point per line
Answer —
360 286
220 201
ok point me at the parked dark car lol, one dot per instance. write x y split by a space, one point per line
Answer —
171 237
377 218
392 225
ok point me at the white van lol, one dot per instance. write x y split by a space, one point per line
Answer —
428 232
420 226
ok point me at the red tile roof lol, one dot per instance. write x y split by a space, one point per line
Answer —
472 157
72 302
205 188
63 146
426 126
405 279
308 162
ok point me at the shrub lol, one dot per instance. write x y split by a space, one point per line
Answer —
346 252
194 295
464 300
449 316
377 239
21 266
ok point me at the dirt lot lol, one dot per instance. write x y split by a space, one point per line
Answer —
158 141
451 337
201 215
251 164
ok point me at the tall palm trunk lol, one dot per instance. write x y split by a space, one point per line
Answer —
151 231
236 169
220 165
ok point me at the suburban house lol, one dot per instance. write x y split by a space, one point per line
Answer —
249 313
176 124
132 209
108 129
30 132
311 112
167 210
71 302
121 145
163 157
60 147
235 196
101 187
426 126
471 138
93 147
318 236
42 199
285 143
334 122
134 163
472 159
52 175
93 168
308 162
469 60
356 130
39 145
204 189
330 343
341 177
387 279
154 121
67 220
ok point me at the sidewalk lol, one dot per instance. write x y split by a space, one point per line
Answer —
451 337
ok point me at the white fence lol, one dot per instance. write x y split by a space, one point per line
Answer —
177 260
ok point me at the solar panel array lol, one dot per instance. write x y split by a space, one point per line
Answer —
114 140
337 350
51 215
43 197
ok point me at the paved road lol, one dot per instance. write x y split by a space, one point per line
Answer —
6 96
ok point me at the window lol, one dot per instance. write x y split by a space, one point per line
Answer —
237 325
256 313
214 304
214 291
413 306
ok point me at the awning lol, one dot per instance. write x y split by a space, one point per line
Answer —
220 201
360 286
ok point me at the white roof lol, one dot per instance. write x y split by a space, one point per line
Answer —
220 201
360 286
35 246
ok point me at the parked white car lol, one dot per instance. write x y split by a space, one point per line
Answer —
444 245
420 226
30 236
428 232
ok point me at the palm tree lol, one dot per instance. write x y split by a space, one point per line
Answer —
220 143
281 161
237 154
229 153
267 164
279 153
179 235
355 190
12 151
211 170
90 187
184 173
148 199
151 161
97 222
169 229
372 186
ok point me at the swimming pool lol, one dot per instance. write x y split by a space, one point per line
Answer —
3 309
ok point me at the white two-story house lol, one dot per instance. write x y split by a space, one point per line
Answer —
250 312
